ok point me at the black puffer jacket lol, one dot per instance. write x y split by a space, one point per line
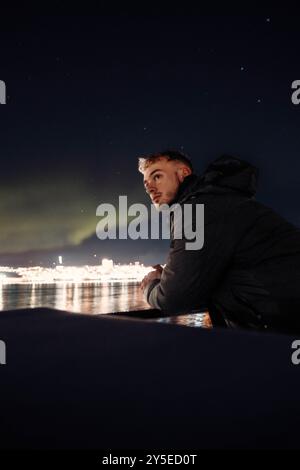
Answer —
249 267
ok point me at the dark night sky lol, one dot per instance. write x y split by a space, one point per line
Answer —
87 95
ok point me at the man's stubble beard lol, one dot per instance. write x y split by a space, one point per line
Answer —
171 195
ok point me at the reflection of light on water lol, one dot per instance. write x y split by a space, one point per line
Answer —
88 297
61 297
104 299
70 296
1 297
123 300
76 298
32 296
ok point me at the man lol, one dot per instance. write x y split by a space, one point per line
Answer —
248 271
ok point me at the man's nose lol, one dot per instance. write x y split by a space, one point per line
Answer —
150 188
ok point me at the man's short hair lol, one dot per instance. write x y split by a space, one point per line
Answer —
171 155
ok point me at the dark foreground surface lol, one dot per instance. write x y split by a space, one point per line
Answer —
96 382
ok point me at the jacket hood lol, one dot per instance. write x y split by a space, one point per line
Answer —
225 174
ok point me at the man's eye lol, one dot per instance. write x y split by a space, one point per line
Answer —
156 176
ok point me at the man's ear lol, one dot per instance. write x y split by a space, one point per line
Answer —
183 172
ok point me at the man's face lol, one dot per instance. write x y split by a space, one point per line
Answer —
162 180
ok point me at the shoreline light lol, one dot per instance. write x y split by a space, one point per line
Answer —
106 272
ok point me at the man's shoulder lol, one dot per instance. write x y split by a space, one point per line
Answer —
235 208
223 202
220 200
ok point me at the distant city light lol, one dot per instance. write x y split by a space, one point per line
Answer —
107 264
107 271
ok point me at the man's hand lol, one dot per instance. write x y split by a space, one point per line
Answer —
151 276
158 268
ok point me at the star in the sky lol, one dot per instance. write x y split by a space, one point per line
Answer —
242 69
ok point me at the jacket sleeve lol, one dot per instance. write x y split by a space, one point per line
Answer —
190 276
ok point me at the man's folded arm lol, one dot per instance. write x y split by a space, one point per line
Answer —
190 276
